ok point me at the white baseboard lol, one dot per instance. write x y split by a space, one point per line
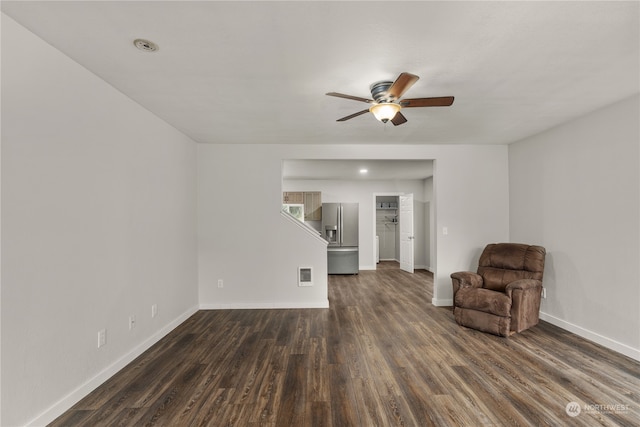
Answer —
442 302
264 306
415 267
76 395
621 348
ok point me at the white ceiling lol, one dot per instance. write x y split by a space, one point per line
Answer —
387 170
257 72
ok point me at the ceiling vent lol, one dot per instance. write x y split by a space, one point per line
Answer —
145 45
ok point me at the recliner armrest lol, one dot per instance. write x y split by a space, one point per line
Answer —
525 298
465 279
468 278
524 285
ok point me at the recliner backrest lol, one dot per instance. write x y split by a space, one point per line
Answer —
503 263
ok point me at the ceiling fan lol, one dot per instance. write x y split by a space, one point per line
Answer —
386 102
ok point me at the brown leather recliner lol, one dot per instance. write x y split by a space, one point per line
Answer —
504 296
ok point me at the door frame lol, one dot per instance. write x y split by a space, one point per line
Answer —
375 195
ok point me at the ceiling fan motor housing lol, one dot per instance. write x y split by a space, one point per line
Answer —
379 91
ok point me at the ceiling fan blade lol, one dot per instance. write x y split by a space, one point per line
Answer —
400 86
442 101
355 98
359 113
399 119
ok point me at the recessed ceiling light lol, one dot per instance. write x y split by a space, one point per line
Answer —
363 171
145 45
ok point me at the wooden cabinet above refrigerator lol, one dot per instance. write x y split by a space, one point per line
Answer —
312 201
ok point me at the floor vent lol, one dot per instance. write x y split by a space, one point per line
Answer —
305 276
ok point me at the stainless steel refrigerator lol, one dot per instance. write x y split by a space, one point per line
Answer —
340 229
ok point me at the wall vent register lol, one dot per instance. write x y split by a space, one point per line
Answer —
305 276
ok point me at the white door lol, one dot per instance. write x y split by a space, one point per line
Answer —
406 232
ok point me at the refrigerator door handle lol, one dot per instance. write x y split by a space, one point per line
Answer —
338 230
341 225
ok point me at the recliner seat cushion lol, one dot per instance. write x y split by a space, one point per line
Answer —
484 300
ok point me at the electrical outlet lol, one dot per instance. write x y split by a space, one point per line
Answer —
132 321
220 283
102 337
544 293
154 310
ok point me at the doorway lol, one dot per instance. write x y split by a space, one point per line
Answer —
387 232
361 181
394 239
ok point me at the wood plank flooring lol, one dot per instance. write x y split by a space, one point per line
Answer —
381 355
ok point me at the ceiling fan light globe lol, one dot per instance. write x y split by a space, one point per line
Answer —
385 111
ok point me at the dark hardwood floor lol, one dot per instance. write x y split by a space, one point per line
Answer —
381 355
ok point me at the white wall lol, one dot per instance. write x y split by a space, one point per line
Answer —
429 223
98 222
471 201
575 190
470 189
247 243
362 192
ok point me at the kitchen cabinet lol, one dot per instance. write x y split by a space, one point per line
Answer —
312 201
293 197
312 206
